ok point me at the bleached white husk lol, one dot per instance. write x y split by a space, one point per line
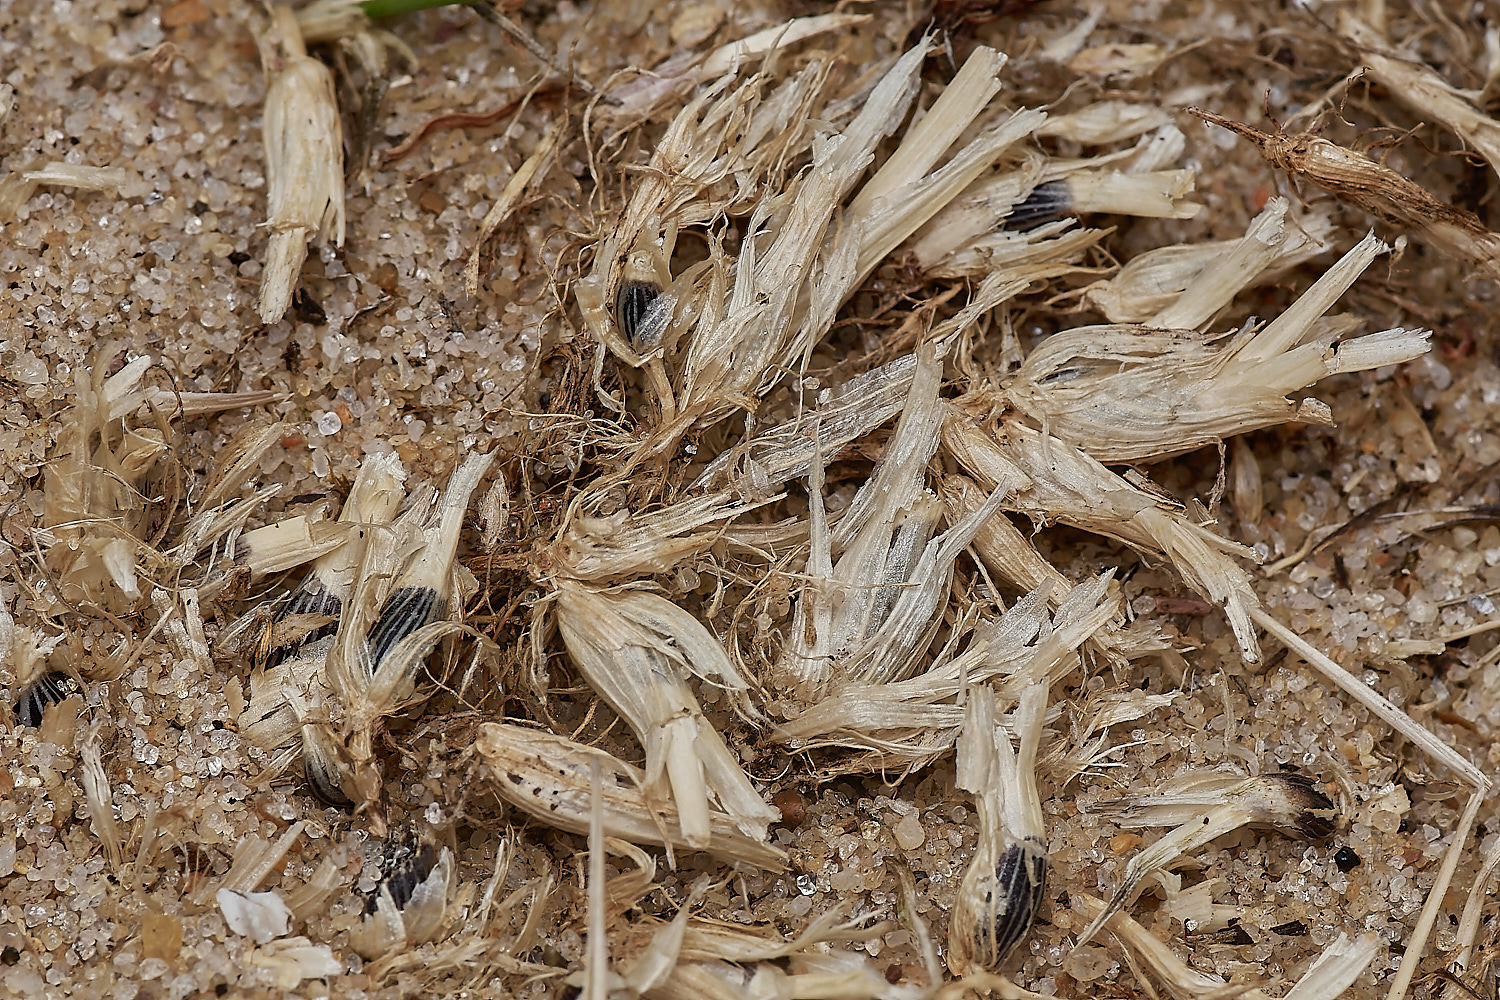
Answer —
1070 486
304 150
1004 886
105 483
1126 394
1208 807
876 584
547 777
637 650
1182 286
919 718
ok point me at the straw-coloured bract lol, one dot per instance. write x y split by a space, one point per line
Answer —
772 516
413 901
304 160
1124 394
102 529
1209 808
638 651
345 650
548 778
1003 889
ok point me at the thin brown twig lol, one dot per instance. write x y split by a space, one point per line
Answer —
463 119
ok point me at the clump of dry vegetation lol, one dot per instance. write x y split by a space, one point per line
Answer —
768 511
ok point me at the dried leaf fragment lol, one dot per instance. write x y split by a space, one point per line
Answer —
1354 178
304 149
1124 394
1288 802
1004 886
285 962
547 777
1423 90
637 650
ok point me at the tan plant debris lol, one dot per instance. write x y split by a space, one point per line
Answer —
547 777
1354 178
304 149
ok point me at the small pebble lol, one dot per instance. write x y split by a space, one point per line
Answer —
793 807
909 832
1346 859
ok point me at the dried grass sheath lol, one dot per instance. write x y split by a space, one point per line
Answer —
1182 287
290 689
638 650
1004 887
547 777
1210 807
1354 178
304 160
1423 90
877 582
1070 486
1125 394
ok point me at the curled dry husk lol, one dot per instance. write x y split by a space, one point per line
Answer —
1127 394
722 333
1182 286
873 580
547 777
914 721
1207 807
1003 889
346 649
304 149
414 902
1327 979
638 650
104 523
17 188
876 582
289 686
